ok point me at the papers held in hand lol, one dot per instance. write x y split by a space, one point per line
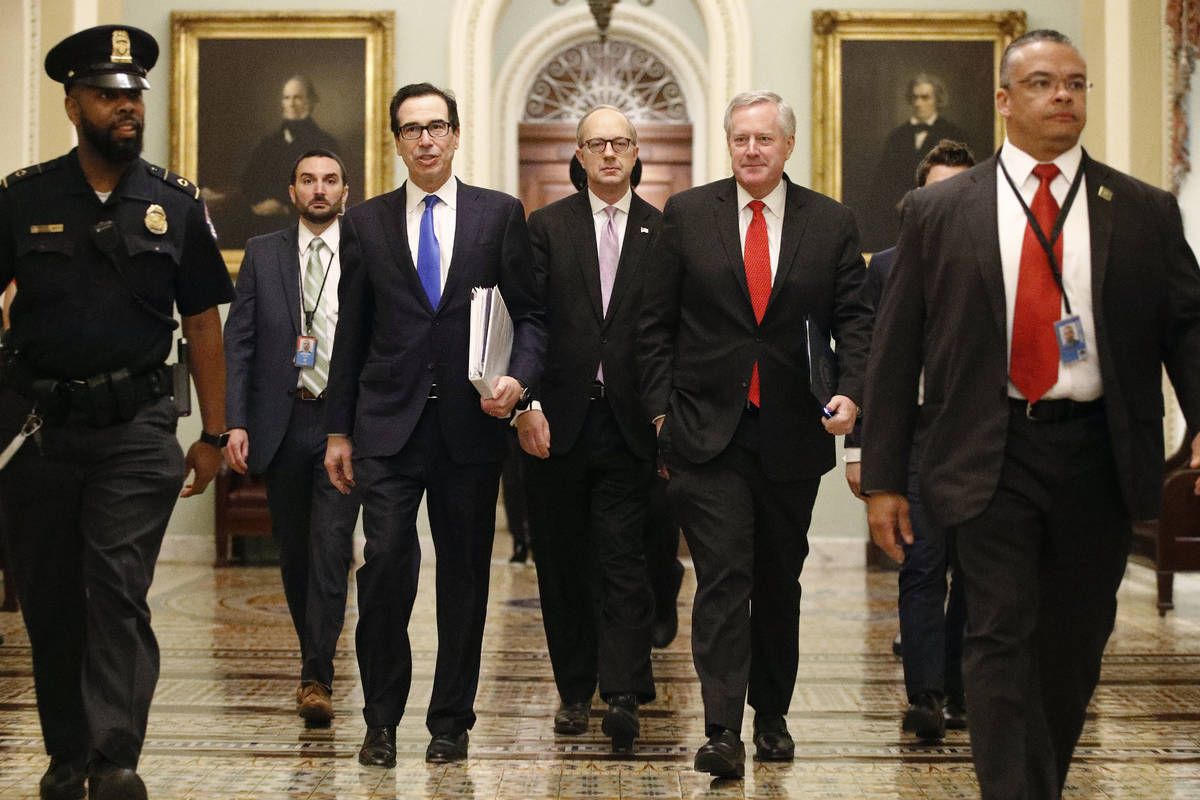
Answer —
491 339
822 362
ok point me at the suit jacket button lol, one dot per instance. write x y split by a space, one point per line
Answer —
430 365
603 340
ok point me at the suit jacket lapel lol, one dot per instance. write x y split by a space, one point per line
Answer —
583 231
1100 227
725 213
634 244
986 231
466 232
287 260
395 229
795 220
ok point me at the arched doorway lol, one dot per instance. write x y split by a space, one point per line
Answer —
617 73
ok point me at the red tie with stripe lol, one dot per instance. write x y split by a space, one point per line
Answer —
1034 366
758 276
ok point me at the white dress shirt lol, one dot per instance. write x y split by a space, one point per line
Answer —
1079 380
773 214
444 219
620 219
332 237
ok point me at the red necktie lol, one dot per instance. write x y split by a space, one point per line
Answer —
1034 367
758 276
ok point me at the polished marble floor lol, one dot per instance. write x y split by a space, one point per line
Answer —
223 726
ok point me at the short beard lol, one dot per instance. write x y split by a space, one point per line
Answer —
118 152
322 217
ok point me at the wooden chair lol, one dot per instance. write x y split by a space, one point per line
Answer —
1172 542
241 504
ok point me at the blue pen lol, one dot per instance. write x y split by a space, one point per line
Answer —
828 414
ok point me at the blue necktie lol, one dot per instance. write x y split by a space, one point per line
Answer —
429 255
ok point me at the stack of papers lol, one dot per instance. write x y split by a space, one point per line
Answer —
491 339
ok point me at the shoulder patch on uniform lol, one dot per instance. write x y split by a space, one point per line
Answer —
178 181
28 172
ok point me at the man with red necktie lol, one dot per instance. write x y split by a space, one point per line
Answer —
739 267
1040 293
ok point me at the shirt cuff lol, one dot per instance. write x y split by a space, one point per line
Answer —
852 455
535 405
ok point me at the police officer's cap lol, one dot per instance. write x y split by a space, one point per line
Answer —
107 56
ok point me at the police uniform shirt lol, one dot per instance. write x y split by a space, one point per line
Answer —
74 316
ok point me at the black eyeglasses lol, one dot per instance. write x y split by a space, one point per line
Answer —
437 129
619 145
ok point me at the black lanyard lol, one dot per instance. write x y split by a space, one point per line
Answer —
308 315
1048 244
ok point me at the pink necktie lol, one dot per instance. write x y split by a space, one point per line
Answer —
1034 367
758 276
609 253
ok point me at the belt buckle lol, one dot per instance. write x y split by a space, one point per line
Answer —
1029 412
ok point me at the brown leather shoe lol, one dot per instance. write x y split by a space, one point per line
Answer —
316 704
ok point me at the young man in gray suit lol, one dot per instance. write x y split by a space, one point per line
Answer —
278 339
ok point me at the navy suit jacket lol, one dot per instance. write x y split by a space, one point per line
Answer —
392 345
944 311
580 334
260 343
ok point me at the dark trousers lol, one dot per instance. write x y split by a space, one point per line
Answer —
314 525
461 502
516 494
749 537
1042 565
662 550
931 626
591 565
84 512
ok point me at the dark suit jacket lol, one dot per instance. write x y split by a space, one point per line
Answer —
877 274
945 310
392 345
260 343
568 273
700 338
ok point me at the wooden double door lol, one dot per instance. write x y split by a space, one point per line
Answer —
546 150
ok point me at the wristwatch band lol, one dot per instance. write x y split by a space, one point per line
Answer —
215 439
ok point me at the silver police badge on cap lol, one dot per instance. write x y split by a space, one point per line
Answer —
156 219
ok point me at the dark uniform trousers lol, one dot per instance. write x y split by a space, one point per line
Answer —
1032 660
314 525
85 510
748 536
461 503
588 532
931 625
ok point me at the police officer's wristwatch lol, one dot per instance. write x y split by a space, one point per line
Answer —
217 440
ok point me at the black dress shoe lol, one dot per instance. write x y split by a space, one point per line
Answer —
924 717
955 712
63 780
519 554
772 742
446 747
110 782
572 718
621 722
722 756
378 747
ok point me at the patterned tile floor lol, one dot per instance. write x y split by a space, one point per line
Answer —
223 727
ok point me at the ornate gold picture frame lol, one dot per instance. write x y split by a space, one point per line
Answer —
250 91
865 65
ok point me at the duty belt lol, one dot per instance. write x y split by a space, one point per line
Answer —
101 400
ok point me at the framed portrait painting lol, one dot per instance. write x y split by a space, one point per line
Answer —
252 91
887 86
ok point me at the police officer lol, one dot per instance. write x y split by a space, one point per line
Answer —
102 245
